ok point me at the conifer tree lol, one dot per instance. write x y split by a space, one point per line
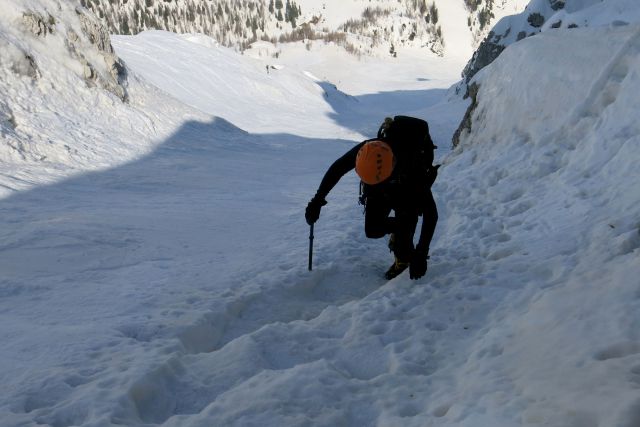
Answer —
434 13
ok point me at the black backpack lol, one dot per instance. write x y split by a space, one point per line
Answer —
411 142
413 147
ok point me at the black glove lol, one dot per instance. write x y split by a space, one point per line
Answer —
312 213
418 265
432 174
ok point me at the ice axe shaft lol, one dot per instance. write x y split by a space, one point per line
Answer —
310 246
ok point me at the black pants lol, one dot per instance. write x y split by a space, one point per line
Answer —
378 223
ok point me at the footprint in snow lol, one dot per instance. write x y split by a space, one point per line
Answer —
619 350
520 208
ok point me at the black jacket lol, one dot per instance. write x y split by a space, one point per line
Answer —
409 187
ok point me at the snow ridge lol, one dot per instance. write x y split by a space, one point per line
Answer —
557 342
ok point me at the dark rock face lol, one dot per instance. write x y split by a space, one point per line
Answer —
26 66
536 20
97 34
7 120
95 31
37 24
527 23
486 53
465 125
85 37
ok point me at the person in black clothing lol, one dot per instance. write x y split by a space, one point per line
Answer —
397 173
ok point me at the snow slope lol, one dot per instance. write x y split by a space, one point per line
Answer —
557 165
580 13
302 89
549 15
61 98
149 231
169 287
228 85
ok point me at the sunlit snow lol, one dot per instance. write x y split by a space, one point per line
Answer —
153 254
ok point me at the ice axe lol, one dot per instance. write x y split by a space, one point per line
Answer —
310 246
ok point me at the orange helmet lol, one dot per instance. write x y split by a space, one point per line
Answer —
374 162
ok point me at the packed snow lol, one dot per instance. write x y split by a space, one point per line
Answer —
574 13
154 252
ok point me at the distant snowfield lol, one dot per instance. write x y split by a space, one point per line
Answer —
323 93
170 288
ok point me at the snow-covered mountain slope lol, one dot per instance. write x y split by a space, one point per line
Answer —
551 159
547 15
150 226
170 286
78 43
484 13
378 28
245 84
66 103
238 24
305 99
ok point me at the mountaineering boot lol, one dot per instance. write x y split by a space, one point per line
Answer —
396 268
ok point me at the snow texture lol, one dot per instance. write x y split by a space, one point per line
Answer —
154 252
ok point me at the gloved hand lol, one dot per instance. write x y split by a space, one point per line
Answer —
418 264
312 213
432 174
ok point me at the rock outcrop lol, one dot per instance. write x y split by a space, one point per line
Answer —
68 36
510 30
